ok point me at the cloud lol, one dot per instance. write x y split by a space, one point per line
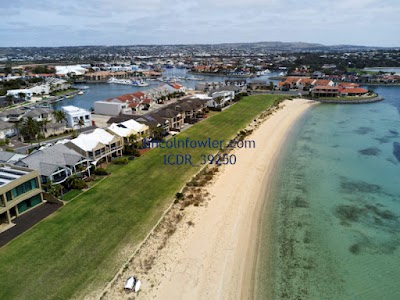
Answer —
73 22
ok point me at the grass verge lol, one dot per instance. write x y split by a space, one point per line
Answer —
82 245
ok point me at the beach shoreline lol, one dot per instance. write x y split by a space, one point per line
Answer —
212 253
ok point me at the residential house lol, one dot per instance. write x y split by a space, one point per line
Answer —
97 146
55 163
7 130
325 91
12 115
177 87
110 108
20 191
27 94
153 120
191 109
128 128
220 99
39 114
77 117
10 157
174 118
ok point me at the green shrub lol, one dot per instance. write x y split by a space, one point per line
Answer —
179 196
100 171
120 161
76 183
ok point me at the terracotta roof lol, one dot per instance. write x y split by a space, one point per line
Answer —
354 91
326 87
322 82
138 95
348 84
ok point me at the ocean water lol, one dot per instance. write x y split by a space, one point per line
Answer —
332 225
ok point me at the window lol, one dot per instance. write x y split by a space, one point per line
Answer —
24 188
87 117
9 196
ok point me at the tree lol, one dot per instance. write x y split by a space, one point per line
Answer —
30 129
21 96
59 115
9 100
17 126
157 133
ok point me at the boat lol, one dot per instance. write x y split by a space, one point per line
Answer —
137 286
140 82
68 96
85 87
130 283
80 93
119 81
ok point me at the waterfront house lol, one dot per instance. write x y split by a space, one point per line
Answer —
154 120
191 109
174 118
20 191
97 146
110 108
25 93
76 117
353 91
220 99
128 128
55 163
325 91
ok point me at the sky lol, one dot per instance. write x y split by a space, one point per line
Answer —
131 22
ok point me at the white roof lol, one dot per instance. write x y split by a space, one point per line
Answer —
121 130
89 141
64 70
202 96
73 109
132 124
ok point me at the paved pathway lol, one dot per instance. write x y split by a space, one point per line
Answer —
27 220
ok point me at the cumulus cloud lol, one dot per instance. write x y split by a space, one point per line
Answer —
106 22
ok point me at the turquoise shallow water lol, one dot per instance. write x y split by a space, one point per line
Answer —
333 231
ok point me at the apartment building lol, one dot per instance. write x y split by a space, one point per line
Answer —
20 191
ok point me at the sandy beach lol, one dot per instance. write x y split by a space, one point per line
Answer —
211 254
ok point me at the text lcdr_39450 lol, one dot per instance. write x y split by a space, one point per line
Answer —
186 159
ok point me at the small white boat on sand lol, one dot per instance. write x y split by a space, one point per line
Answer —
133 284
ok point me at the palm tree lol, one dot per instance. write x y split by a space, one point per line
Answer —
218 100
18 126
81 123
59 115
43 125
30 129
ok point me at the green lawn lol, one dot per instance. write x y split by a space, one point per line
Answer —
80 246
60 93
71 194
